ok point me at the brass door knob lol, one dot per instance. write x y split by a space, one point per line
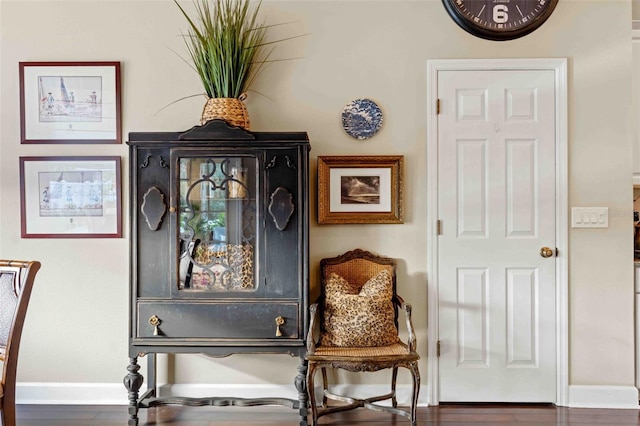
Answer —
546 252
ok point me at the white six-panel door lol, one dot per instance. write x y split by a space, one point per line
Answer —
496 206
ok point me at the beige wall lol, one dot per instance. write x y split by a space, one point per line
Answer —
76 329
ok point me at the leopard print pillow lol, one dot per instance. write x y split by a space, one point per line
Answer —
359 318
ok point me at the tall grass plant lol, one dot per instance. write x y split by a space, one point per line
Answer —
226 43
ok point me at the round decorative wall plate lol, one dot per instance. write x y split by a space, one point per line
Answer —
361 118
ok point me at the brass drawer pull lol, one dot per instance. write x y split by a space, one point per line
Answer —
279 321
155 322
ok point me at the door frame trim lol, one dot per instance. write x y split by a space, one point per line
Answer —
559 66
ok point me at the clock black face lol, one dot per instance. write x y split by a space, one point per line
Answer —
499 19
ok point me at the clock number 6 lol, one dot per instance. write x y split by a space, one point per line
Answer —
500 13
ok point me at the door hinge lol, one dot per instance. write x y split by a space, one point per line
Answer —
438 349
438 106
439 227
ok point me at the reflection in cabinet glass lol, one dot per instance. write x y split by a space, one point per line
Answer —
219 253
217 224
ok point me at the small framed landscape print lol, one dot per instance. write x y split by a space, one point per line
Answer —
70 102
70 197
360 189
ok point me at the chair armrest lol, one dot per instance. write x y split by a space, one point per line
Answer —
313 325
406 307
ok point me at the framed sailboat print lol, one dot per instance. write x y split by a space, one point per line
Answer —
70 102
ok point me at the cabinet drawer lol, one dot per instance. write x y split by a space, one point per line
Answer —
228 320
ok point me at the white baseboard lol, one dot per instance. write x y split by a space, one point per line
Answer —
116 394
72 393
603 396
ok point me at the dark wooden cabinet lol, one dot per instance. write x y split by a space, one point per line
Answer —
219 251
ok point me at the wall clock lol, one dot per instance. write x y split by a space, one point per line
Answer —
499 19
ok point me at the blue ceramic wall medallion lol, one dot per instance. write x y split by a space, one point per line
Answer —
361 118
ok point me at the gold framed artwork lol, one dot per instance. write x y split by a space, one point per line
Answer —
360 189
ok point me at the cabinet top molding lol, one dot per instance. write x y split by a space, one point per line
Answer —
217 130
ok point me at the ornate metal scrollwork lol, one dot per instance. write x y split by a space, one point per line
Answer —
271 164
217 218
145 163
290 163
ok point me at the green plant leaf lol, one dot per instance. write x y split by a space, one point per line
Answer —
226 44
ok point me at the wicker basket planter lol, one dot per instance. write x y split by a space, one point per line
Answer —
232 110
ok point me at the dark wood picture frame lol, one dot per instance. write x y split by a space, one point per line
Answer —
70 197
360 189
70 103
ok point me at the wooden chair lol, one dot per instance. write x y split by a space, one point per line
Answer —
16 281
360 273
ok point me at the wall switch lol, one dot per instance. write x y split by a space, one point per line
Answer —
590 217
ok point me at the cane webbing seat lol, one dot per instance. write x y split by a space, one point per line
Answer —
395 350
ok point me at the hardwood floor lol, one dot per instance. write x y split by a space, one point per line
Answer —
446 415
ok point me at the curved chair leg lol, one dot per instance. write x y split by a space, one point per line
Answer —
325 387
312 393
8 413
394 376
415 390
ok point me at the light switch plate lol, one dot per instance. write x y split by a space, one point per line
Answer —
590 217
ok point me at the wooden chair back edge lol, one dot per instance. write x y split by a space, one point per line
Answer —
29 270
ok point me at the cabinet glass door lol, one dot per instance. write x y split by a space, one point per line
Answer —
217 224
